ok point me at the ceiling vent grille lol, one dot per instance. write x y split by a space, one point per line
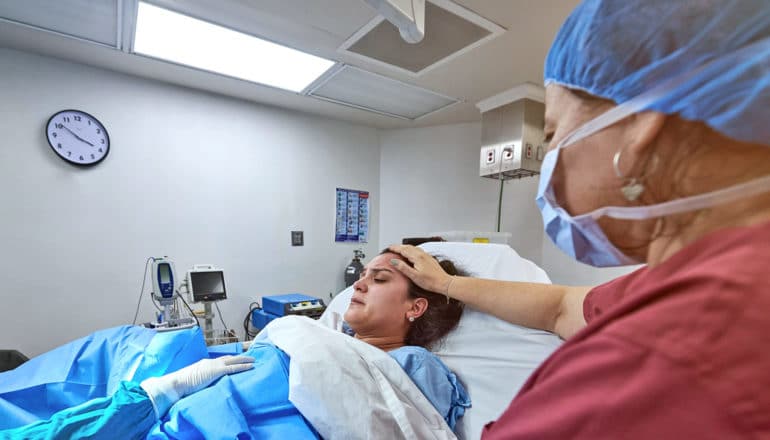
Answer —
369 91
86 20
450 31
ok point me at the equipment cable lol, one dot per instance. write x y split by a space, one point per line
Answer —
154 302
141 291
189 308
247 320
220 316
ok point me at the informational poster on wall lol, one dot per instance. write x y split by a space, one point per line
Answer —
352 216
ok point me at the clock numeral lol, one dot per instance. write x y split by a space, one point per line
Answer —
66 119
102 141
58 146
101 151
81 158
77 118
89 121
93 157
98 131
69 153
59 126
54 134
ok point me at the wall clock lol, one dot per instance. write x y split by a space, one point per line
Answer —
78 137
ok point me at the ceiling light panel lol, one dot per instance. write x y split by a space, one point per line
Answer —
170 36
369 91
91 20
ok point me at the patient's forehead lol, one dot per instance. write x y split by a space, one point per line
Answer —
383 260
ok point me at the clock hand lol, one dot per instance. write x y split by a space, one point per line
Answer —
78 137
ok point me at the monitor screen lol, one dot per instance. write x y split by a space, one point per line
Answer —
208 285
165 273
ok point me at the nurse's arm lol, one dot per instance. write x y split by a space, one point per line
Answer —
551 307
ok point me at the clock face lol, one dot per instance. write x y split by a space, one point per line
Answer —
78 137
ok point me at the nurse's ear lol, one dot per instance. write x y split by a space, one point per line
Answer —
640 132
635 157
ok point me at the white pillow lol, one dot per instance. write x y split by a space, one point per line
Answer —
491 357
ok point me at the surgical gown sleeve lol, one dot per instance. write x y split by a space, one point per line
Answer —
128 414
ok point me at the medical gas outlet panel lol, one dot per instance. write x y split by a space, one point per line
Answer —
512 140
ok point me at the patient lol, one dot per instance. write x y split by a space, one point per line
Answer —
387 311
390 312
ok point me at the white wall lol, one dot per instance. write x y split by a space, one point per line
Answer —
562 269
198 177
208 179
429 182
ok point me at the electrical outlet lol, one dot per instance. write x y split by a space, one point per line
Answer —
529 151
297 238
508 154
490 156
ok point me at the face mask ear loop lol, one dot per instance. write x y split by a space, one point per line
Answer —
633 187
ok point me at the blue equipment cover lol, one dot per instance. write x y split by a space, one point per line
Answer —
278 305
92 367
252 404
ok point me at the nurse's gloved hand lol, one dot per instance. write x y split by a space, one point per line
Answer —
166 390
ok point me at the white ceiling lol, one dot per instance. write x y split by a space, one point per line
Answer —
320 27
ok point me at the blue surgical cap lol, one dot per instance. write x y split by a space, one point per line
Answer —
709 58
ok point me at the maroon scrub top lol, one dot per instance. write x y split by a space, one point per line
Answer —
678 351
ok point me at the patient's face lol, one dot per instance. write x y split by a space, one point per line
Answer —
380 300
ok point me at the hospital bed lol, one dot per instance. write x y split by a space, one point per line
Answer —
491 358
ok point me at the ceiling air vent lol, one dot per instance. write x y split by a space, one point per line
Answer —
85 20
369 91
450 30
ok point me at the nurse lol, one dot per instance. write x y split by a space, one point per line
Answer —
658 116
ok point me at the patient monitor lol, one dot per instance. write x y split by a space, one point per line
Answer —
206 283
163 280
407 15
164 291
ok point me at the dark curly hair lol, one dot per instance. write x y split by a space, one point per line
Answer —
440 317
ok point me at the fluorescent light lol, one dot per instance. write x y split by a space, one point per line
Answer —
171 36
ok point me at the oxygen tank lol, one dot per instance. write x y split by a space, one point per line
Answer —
353 271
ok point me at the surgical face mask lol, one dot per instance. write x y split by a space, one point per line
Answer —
580 236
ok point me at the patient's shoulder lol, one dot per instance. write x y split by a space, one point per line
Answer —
439 384
411 357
